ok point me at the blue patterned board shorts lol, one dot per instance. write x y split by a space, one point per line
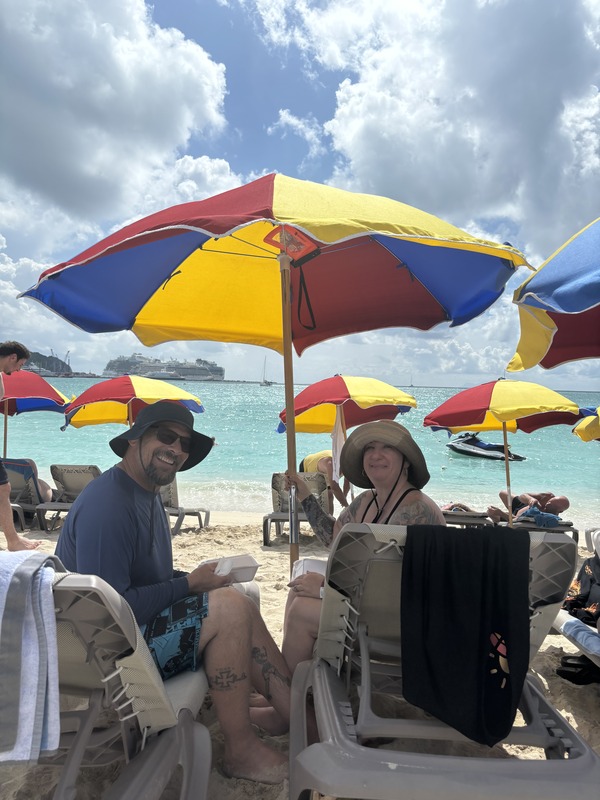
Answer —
173 635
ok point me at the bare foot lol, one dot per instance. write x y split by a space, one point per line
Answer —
20 543
259 762
495 514
269 720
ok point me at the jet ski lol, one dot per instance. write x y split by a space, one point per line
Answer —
468 444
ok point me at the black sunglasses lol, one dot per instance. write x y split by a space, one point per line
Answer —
167 436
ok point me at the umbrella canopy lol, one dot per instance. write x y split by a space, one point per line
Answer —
27 391
119 400
588 429
275 261
559 305
351 399
506 406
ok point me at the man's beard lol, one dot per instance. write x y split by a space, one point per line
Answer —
162 477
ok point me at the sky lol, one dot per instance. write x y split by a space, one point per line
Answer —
483 112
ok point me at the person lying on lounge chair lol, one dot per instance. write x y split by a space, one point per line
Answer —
544 501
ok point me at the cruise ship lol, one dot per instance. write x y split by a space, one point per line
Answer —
137 364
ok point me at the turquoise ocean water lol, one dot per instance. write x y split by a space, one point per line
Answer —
243 418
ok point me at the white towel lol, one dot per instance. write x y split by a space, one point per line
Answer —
29 693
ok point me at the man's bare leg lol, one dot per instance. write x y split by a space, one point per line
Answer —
226 642
13 540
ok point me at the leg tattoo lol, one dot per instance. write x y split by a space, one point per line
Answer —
225 679
259 655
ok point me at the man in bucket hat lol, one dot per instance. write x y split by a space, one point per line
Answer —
117 529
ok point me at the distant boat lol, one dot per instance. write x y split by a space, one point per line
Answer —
264 381
468 444
163 375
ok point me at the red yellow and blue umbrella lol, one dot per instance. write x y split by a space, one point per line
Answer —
559 305
26 391
119 400
275 262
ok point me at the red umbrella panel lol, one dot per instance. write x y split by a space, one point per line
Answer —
27 391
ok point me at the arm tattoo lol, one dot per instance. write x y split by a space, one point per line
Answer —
224 679
269 671
418 513
321 523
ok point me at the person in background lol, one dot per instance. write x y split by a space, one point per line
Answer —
323 462
13 356
117 529
544 501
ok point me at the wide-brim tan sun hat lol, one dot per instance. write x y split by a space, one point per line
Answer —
388 432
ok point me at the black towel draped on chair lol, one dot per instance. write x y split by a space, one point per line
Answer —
465 626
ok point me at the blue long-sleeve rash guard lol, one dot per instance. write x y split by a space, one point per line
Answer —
108 533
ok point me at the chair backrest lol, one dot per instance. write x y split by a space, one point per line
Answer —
71 479
169 495
314 480
101 647
24 487
364 574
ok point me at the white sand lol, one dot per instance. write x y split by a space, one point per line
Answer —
242 533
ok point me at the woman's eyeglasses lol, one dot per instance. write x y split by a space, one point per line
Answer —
167 436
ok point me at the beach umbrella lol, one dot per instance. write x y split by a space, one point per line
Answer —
588 429
507 406
26 391
275 262
335 404
559 305
119 400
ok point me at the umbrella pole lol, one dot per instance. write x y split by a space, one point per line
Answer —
288 373
507 470
5 404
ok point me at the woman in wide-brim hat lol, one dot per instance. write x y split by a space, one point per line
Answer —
383 458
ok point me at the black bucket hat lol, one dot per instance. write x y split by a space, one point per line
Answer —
165 411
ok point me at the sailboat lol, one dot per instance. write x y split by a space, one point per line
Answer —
264 381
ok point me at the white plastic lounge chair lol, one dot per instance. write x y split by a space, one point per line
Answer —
70 480
280 495
104 661
24 489
170 498
359 646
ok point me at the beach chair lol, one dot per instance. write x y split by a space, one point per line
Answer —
170 498
358 658
70 480
465 519
565 527
280 496
123 704
25 495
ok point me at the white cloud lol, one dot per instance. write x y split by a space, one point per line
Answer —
101 99
307 129
485 113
